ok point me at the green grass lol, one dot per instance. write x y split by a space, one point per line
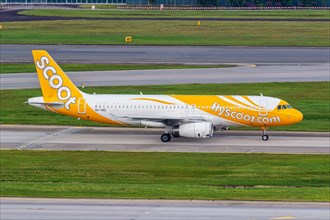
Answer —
296 14
165 175
30 67
223 33
311 98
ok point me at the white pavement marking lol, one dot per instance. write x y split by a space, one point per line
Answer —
33 142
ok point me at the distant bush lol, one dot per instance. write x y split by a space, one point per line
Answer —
236 3
208 2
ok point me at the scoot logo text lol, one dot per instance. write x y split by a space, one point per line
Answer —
240 116
56 82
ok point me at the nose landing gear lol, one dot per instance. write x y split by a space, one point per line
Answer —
264 136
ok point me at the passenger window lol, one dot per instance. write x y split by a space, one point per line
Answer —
283 107
289 106
278 107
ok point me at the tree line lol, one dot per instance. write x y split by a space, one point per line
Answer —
265 3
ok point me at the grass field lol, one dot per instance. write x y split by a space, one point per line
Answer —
30 67
225 33
296 14
311 98
165 175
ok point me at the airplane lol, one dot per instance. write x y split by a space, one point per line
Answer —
192 116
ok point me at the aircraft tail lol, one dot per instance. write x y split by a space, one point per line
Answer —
54 83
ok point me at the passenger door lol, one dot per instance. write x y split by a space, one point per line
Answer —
81 106
263 106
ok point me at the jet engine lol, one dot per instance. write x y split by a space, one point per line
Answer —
194 130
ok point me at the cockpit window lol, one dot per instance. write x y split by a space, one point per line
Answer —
283 107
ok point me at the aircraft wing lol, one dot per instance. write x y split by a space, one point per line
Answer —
164 119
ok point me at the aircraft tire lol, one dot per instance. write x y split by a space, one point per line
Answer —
165 137
265 137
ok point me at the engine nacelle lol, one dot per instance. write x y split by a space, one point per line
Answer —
194 130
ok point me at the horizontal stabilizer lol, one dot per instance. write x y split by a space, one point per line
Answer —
50 104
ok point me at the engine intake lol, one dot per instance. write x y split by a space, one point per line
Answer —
194 130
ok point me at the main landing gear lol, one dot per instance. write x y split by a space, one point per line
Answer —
265 136
166 137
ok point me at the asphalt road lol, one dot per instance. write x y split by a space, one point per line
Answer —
10 14
33 137
99 209
168 54
244 74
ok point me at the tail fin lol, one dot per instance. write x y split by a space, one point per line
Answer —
55 84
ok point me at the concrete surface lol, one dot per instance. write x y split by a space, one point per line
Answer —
33 137
244 74
99 209
168 54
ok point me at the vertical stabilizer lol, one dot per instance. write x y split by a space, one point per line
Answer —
55 84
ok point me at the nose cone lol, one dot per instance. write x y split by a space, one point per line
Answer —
298 116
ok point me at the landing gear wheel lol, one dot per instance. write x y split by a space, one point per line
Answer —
165 137
265 137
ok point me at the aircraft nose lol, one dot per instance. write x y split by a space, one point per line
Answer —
298 116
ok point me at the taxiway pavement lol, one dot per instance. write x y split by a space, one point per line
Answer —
242 74
99 209
33 137
168 54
